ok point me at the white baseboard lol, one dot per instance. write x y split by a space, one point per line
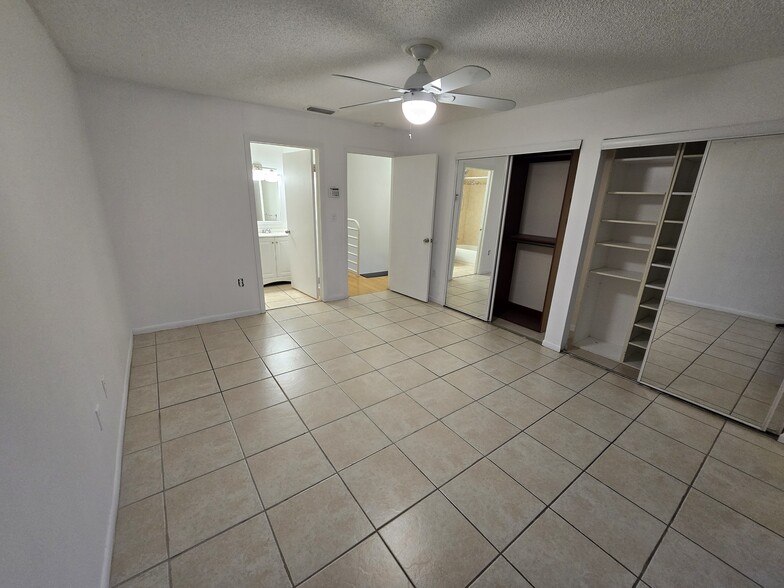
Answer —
551 345
195 321
109 541
751 315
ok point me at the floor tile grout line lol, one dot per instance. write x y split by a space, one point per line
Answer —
163 483
472 401
675 515
565 489
265 512
736 511
670 436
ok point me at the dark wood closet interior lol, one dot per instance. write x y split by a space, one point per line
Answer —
539 194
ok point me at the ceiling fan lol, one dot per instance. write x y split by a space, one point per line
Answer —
421 93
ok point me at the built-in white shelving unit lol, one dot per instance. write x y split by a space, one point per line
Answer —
643 200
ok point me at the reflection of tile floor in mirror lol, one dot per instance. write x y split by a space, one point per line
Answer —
282 295
732 363
469 294
379 441
462 268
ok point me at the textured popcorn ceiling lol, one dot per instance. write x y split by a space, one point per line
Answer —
281 53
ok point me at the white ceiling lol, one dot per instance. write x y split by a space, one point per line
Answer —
282 52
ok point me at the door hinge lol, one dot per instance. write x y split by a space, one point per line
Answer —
457 196
315 168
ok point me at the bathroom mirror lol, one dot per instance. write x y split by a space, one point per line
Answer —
476 224
715 341
268 201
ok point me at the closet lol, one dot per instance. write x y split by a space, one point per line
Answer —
538 198
644 197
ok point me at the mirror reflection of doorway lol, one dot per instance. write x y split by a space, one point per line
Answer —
283 181
476 225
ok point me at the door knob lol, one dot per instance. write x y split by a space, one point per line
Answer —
425 240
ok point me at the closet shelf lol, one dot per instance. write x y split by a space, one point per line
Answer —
695 156
646 323
681 193
656 285
624 193
651 159
640 341
651 304
620 221
666 247
619 274
624 245
661 265
534 240
673 222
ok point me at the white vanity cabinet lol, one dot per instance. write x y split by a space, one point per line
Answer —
275 265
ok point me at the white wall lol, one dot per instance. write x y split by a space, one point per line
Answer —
732 254
747 93
62 324
369 186
172 169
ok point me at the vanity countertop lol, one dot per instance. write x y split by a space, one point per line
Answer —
274 234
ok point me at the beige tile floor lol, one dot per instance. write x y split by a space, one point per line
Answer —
730 363
282 295
380 441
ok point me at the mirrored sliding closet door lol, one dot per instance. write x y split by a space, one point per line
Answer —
476 223
716 341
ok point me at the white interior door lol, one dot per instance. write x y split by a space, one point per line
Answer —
411 212
300 214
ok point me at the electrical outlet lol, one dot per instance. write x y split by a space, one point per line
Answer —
241 282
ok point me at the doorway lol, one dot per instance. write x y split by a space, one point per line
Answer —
369 189
283 188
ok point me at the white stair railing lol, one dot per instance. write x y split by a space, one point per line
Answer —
353 245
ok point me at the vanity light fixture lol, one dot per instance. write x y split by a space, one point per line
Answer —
265 174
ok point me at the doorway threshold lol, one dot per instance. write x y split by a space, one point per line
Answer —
517 329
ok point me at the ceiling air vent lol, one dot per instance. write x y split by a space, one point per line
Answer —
319 110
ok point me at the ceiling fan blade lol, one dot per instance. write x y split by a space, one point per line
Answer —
477 101
465 76
387 86
387 101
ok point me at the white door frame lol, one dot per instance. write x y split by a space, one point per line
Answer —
249 138
481 245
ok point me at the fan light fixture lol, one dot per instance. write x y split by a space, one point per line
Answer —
419 107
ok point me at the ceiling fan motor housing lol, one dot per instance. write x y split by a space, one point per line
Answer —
421 50
418 80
